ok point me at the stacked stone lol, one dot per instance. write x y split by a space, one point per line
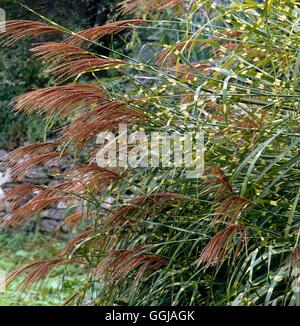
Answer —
50 218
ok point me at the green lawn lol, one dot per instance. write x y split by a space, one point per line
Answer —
20 249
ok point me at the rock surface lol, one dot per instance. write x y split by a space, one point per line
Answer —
50 218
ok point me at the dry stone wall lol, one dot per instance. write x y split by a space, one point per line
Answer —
49 219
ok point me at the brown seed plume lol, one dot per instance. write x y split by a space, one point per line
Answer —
218 247
21 193
16 30
119 263
29 200
71 245
148 6
30 150
22 159
141 205
18 170
95 33
75 68
37 271
231 208
221 188
94 177
87 179
24 213
106 117
58 53
71 221
60 100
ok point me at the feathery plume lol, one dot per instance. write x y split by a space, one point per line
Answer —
119 263
75 68
58 53
19 170
22 159
24 213
76 241
121 215
90 179
16 30
95 33
29 150
217 248
148 6
221 186
37 271
93 177
71 221
60 100
21 193
106 117
231 208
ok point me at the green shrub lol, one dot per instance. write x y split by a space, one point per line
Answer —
18 73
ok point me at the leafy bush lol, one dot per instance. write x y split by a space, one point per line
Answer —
227 238
20 73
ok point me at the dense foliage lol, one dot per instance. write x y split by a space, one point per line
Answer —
20 72
228 68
